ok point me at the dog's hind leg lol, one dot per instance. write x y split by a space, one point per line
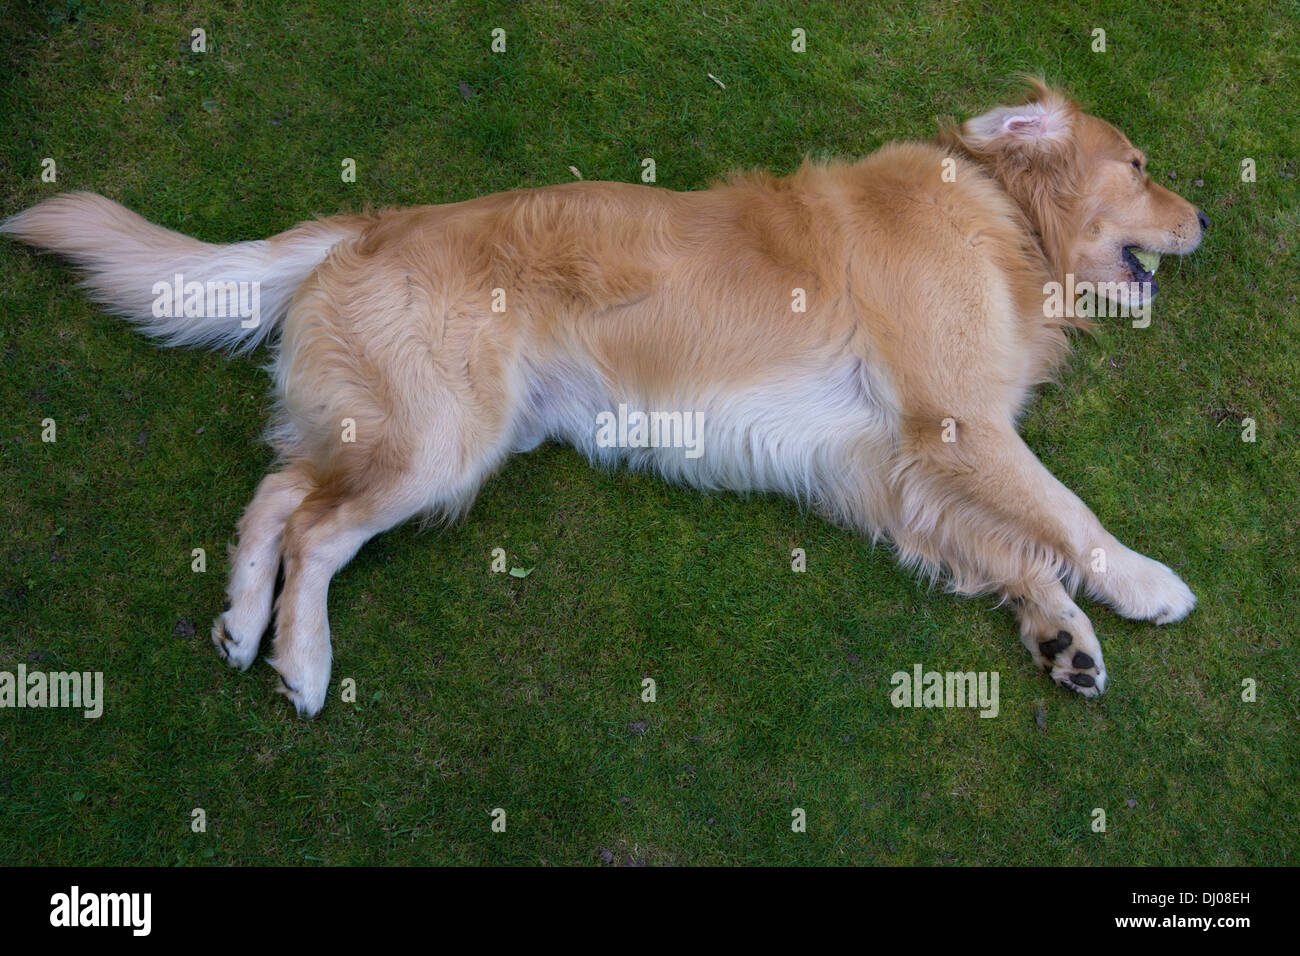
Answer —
345 509
397 395
255 560
321 536
390 474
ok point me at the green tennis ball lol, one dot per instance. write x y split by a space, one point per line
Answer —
1150 260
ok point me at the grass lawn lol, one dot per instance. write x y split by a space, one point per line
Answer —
477 690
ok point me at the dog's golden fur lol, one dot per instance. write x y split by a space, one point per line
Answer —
449 336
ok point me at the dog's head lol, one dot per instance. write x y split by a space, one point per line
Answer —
1086 190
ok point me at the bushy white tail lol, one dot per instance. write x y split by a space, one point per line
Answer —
128 261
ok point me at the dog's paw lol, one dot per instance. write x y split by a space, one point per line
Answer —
305 683
1062 642
238 653
1143 589
1072 663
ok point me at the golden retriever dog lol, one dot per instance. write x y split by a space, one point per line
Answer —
859 335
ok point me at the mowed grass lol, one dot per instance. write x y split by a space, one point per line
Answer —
477 691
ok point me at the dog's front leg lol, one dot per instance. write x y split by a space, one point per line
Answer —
976 503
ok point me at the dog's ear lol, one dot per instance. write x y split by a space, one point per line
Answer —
1032 150
1043 124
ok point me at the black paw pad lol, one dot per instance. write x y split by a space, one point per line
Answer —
1082 660
1056 645
1082 680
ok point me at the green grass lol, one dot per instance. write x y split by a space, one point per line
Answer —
477 690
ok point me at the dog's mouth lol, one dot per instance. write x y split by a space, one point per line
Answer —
1142 263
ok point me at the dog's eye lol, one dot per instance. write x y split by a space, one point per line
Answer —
1137 164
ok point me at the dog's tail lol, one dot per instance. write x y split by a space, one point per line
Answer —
177 289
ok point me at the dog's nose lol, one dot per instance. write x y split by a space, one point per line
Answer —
1203 219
